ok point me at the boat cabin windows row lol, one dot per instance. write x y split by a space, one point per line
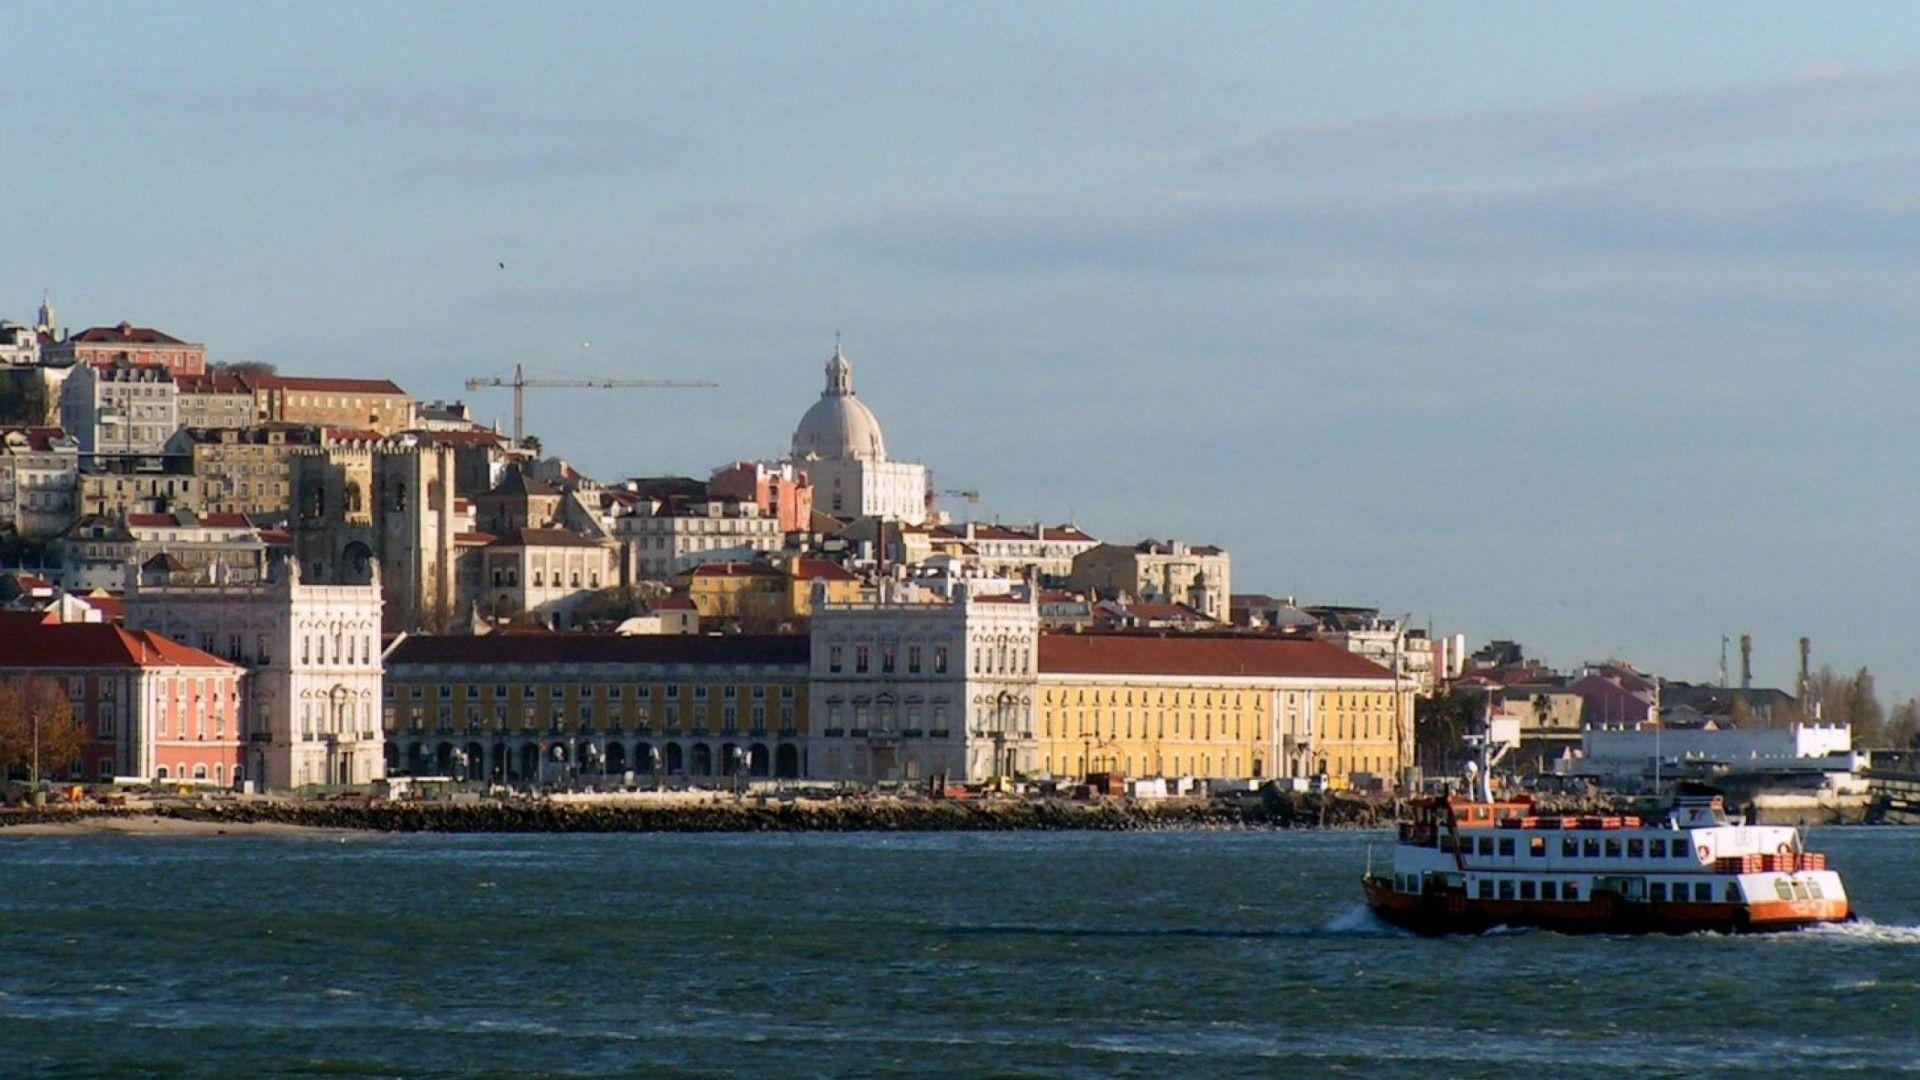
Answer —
1571 847
1699 892
1525 889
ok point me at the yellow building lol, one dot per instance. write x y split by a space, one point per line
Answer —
766 596
1218 706
541 708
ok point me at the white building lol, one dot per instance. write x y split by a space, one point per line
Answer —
659 539
904 691
124 409
1623 755
19 345
313 650
1037 550
545 573
840 447
39 481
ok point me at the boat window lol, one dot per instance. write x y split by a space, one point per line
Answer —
1657 848
1590 847
1680 849
1813 889
1486 845
1537 847
1446 843
1506 846
1702 891
1780 887
1613 849
1732 893
1800 891
1634 849
1570 891
1484 890
1549 890
1569 847
1526 890
1657 891
1506 888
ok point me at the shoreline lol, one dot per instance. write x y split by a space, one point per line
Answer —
340 818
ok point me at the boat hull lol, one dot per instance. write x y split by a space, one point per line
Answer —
1453 912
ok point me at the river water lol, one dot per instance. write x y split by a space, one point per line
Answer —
1214 954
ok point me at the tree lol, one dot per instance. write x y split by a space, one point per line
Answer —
1903 725
38 733
243 368
1740 713
1863 707
1440 726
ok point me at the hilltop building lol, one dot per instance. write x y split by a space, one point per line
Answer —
839 445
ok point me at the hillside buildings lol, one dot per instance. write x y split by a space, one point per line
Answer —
39 480
1165 572
120 408
354 404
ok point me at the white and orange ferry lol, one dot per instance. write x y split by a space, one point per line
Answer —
1465 865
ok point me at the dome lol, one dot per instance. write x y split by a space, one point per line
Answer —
839 427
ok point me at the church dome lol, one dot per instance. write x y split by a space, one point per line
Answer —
839 427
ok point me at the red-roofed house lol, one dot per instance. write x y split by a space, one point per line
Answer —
544 573
1045 551
1157 571
153 708
105 346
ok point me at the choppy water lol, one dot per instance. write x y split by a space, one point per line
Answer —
1216 954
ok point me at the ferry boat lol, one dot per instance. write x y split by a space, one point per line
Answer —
1466 865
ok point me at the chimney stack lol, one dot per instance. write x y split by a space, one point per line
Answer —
1806 652
1746 662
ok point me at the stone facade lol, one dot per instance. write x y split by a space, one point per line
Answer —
312 651
123 409
1155 571
905 691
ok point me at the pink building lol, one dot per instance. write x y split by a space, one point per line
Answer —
141 346
154 708
781 491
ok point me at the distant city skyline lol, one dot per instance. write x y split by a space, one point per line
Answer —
1584 327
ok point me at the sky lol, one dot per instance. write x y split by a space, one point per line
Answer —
1590 326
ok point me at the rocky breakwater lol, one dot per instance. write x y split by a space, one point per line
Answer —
856 814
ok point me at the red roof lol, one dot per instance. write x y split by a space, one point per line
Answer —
1202 655
125 334
323 384
37 437
821 570
545 648
80 645
734 569
210 383
541 538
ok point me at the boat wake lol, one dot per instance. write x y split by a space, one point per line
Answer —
1360 921
1865 931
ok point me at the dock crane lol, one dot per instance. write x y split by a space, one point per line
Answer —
970 496
519 382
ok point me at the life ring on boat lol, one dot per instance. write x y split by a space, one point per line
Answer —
1702 852
1783 849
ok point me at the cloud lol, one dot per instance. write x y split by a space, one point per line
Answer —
1859 208
1818 103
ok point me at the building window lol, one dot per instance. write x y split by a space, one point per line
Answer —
939 659
861 660
833 659
913 659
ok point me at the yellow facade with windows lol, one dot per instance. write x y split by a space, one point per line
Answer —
1148 727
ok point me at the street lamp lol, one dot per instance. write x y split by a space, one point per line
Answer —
559 759
459 765
736 759
653 764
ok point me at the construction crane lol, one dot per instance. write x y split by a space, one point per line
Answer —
519 382
970 496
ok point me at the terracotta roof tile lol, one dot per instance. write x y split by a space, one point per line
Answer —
787 649
1202 655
